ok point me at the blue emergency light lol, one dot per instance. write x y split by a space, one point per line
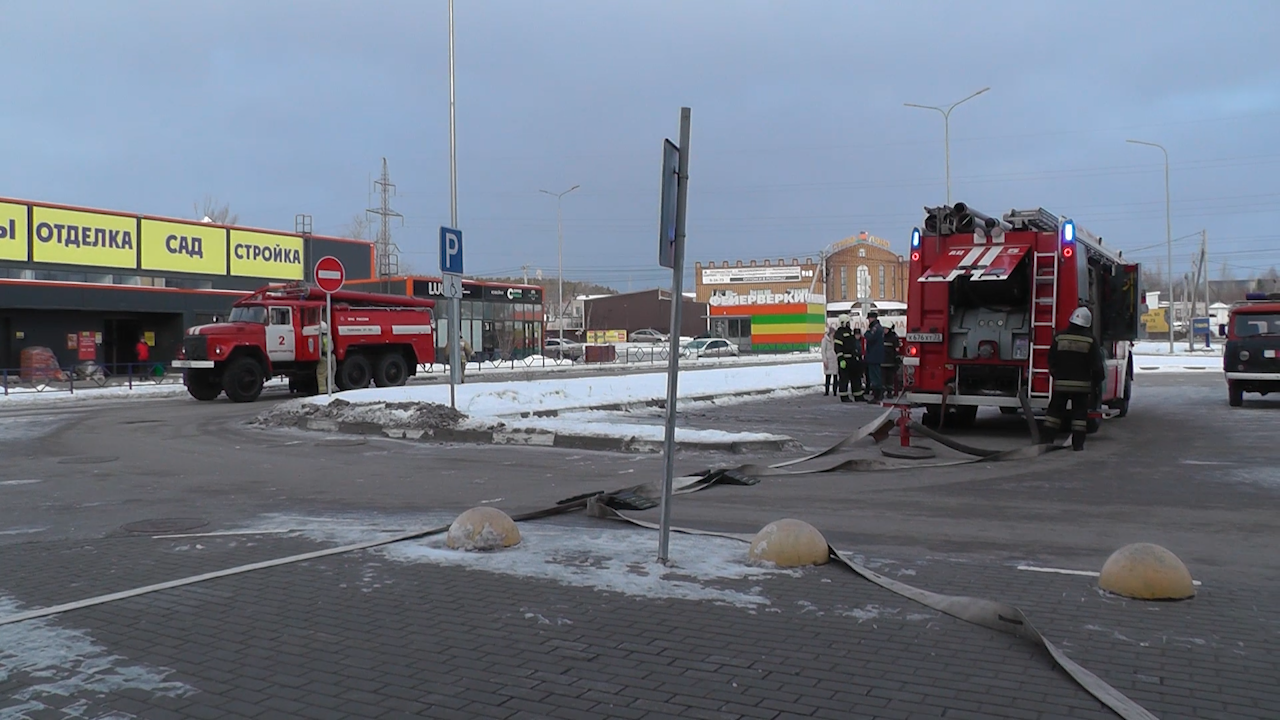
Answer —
915 238
1068 238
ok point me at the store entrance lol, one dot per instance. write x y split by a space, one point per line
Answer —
119 336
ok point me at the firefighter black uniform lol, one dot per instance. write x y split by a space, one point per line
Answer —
1078 369
847 358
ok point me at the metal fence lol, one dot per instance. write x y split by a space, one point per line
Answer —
69 380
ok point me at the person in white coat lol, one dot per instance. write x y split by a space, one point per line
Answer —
830 364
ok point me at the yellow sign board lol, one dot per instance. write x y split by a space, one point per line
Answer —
1156 321
74 237
149 337
266 255
605 337
184 247
13 232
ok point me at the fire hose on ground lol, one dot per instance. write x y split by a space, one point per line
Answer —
611 505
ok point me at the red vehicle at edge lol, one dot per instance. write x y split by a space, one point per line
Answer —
276 332
985 298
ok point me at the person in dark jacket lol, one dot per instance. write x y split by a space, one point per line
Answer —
1078 370
874 337
890 363
847 355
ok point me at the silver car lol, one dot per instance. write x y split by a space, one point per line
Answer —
710 347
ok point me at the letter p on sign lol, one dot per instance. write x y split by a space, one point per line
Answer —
450 251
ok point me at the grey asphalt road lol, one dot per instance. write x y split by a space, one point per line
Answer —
358 635
1183 470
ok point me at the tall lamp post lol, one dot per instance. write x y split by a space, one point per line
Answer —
560 252
1168 229
946 125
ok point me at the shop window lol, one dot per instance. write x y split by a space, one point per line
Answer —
881 282
844 283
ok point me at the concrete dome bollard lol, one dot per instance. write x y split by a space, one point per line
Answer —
789 543
483 528
1143 571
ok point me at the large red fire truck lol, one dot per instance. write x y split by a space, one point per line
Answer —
985 298
276 331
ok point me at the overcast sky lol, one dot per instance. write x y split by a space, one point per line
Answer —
800 137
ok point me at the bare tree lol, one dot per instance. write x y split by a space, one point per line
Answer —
359 228
218 213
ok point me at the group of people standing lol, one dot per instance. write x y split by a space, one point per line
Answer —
857 364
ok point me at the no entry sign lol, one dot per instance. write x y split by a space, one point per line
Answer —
330 274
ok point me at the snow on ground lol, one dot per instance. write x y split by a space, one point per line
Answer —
506 399
29 428
52 663
605 556
1208 364
610 425
1155 347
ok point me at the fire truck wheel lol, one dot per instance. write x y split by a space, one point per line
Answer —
391 370
354 372
1235 395
1123 405
202 385
243 380
1092 425
1006 410
933 417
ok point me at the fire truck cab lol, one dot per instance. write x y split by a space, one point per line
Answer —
987 295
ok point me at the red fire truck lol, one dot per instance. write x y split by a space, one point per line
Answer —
985 298
276 332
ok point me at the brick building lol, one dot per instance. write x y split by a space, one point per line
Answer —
864 267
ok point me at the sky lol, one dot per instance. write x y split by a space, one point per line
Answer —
799 133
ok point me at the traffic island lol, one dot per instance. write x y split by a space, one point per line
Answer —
431 422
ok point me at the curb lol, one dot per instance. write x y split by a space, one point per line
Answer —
539 438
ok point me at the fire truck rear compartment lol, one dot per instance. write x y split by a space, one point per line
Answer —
990 326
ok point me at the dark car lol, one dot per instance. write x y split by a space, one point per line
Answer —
1251 358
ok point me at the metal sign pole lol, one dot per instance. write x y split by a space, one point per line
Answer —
328 369
673 365
455 349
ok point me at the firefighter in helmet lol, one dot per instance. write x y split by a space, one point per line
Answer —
1078 370
848 354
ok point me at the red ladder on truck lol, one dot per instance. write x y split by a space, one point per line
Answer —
1044 317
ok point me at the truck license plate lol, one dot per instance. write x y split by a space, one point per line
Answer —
924 337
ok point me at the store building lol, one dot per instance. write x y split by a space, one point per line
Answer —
499 321
865 267
764 307
643 310
68 274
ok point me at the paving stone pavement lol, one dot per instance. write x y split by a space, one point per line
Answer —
364 636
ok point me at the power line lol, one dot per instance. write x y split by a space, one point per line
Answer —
388 253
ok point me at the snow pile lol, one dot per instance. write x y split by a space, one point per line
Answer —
609 557
44 662
406 415
534 396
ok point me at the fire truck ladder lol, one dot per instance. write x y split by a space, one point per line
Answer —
1044 314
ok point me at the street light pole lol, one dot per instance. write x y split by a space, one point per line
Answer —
560 253
946 129
1168 229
